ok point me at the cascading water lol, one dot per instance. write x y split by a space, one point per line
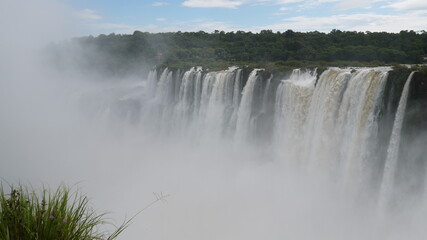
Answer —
202 105
324 125
220 102
393 148
331 127
236 99
293 99
184 107
152 82
357 117
245 108
265 94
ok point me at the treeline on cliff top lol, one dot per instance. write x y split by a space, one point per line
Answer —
120 52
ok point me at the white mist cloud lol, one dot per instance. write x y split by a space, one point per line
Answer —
338 4
194 25
352 22
374 21
21 20
409 5
88 14
212 3
159 4
114 27
288 1
345 5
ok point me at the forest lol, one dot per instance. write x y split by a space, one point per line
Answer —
118 53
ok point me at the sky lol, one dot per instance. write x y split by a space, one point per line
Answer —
125 16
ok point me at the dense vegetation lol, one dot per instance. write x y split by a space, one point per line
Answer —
266 49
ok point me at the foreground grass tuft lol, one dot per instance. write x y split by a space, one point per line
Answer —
60 215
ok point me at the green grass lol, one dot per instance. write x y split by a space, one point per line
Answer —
45 215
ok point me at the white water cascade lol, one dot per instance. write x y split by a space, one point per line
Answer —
292 102
330 127
393 148
245 108
327 124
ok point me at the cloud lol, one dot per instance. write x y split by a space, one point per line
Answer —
260 2
194 25
210 26
351 4
288 1
339 4
159 4
352 22
306 4
111 27
407 16
88 14
212 3
409 5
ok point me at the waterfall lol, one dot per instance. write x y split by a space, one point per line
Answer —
162 86
183 111
236 99
236 89
320 146
220 103
339 124
393 148
357 120
245 108
195 104
197 91
163 96
293 99
152 83
327 124
265 94
207 87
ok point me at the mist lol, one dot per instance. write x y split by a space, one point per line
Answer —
65 126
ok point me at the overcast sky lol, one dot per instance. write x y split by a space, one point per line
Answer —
126 16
